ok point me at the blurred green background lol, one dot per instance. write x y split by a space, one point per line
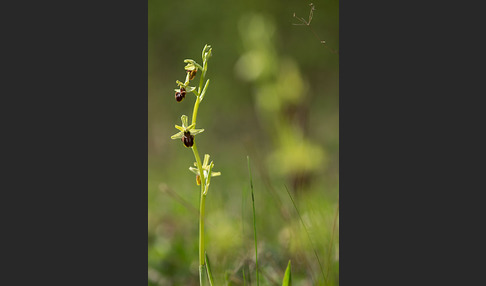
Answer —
273 96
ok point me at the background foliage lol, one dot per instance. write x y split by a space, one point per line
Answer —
273 96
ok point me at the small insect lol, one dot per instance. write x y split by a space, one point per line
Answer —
188 139
192 74
179 95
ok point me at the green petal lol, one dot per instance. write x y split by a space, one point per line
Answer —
177 136
180 128
196 131
190 67
194 170
213 174
194 63
206 160
184 121
191 126
187 79
208 175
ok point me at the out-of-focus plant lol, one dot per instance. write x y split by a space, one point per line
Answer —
308 24
204 170
280 99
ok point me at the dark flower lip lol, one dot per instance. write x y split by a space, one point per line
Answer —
188 139
180 95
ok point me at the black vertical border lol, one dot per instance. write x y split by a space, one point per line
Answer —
117 222
409 121
378 120
74 206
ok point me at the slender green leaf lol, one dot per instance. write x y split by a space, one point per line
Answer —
227 276
244 278
287 280
208 269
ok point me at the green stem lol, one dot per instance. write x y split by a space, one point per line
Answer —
201 233
201 213
203 180
198 99
194 112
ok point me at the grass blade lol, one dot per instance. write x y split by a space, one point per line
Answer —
330 243
244 278
287 280
308 235
254 222
208 270
166 189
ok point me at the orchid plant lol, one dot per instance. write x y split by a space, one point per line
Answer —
202 170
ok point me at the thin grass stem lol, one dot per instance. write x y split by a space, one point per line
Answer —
330 243
308 235
244 278
166 189
254 222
